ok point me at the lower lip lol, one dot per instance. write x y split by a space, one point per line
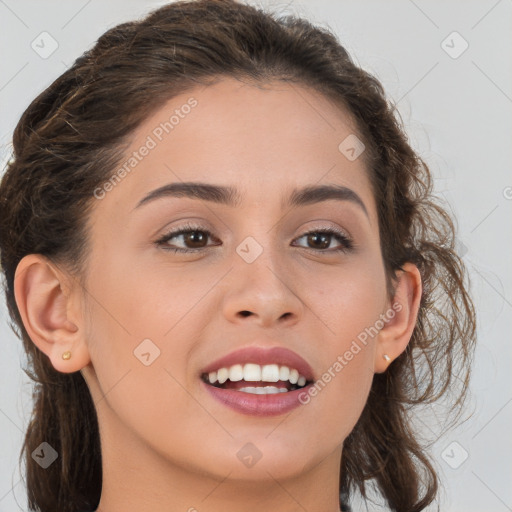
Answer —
258 405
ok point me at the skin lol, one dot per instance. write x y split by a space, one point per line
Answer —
166 444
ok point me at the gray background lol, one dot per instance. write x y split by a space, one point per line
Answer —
457 110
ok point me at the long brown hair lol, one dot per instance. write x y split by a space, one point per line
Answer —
69 141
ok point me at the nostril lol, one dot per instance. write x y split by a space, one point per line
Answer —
245 313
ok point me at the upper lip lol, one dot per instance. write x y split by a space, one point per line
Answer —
263 356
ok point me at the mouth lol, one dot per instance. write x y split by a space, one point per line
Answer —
256 379
259 381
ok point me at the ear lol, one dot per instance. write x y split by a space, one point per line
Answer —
399 318
49 309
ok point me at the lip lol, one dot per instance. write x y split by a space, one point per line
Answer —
263 356
258 405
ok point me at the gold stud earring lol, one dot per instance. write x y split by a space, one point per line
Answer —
66 355
387 358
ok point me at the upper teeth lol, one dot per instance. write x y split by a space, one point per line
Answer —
254 372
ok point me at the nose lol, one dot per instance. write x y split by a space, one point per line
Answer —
262 292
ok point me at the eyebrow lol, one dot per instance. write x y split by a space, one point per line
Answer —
230 196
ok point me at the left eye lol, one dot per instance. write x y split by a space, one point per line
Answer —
197 237
323 238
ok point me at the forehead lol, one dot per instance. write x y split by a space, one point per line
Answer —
262 139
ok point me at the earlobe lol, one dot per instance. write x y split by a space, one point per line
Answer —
401 317
49 313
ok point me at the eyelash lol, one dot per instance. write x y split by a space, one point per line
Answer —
340 236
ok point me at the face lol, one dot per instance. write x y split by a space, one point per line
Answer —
260 272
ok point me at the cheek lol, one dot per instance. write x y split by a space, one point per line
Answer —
348 299
349 304
135 348
141 375
136 300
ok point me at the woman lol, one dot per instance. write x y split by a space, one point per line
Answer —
229 274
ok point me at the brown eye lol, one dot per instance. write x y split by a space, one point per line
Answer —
193 238
321 239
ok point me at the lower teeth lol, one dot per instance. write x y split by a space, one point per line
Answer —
263 390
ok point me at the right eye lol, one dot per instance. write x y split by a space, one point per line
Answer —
194 235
